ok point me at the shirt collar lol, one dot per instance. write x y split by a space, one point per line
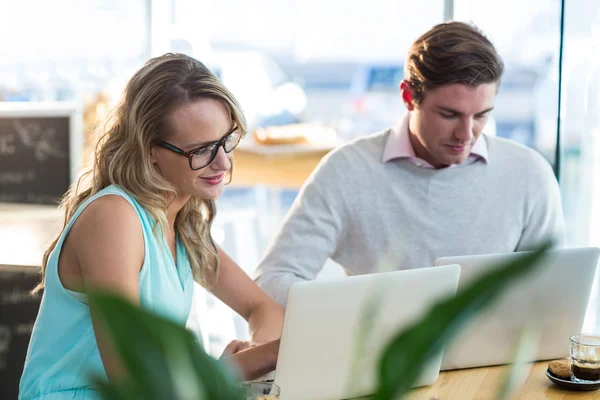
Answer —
398 145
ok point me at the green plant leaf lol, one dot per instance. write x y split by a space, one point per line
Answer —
407 354
517 374
116 392
161 358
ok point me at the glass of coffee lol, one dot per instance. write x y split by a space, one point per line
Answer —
585 358
260 390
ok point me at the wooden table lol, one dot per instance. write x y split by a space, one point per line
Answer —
483 383
288 171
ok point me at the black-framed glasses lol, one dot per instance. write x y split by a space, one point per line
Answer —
204 155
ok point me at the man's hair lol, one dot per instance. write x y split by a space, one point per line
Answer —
452 52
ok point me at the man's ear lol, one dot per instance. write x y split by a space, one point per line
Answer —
406 91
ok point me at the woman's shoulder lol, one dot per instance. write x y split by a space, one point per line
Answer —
109 232
109 210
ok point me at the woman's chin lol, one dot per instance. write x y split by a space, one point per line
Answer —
212 192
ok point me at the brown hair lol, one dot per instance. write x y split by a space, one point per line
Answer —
122 153
452 52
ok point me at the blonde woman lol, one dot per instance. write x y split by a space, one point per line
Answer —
138 224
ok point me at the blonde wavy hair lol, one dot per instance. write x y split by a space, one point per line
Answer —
122 153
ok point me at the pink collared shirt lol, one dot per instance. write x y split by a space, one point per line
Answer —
398 146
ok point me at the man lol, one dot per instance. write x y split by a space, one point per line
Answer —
431 186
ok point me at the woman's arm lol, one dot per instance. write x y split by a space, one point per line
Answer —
264 316
238 291
108 248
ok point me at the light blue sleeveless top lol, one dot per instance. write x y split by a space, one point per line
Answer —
63 353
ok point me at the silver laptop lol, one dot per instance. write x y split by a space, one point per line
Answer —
552 300
327 322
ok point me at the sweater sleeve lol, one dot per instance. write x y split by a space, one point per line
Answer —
309 234
545 220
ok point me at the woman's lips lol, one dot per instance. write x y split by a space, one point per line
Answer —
213 180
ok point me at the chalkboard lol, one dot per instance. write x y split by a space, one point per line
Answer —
18 311
35 158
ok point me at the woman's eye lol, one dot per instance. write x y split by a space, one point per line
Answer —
203 151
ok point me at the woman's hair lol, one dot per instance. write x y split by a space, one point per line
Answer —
122 153
452 52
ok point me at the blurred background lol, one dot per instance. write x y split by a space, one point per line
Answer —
330 69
